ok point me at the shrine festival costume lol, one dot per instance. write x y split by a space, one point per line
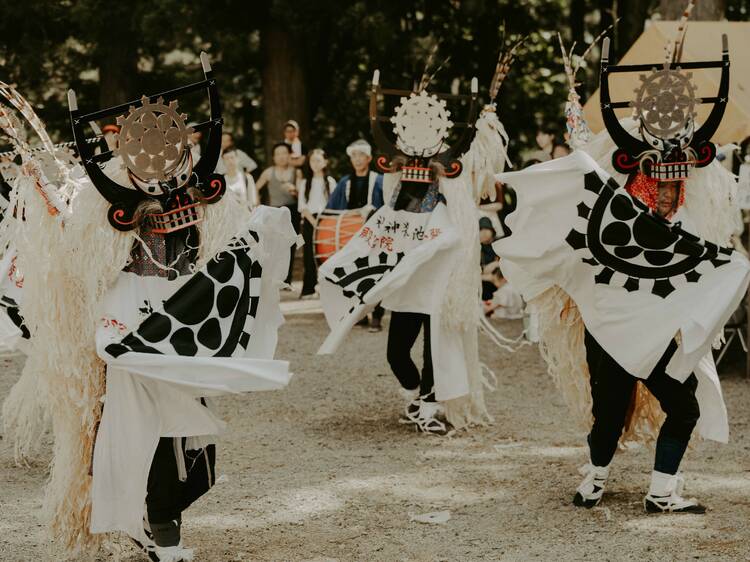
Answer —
175 301
624 294
405 256
363 195
12 331
33 202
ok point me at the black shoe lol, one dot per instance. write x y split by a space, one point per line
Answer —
590 491
578 500
375 326
150 553
668 504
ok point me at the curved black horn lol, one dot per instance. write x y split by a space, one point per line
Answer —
387 149
703 135
207 164
123 200
630 146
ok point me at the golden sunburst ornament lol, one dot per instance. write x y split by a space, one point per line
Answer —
421 123
153 139
665 101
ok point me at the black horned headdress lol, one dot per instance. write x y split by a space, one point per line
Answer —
421 126
153 144
665 106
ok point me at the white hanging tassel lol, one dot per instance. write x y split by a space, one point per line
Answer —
487 156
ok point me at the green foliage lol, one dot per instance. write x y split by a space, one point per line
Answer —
49 46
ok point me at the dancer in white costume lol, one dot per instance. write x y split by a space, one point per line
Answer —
37 202
627 250
406 256
175 301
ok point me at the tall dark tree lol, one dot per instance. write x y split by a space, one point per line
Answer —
283 75
309 60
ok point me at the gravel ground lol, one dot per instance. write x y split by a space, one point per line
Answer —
322 471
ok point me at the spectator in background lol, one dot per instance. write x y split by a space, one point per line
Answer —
291 138
499 299
280 183
240 184
545 140
560 150
314 189
499 209
361 191
244 162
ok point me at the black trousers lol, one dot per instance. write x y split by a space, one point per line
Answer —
488 290
295 223
310 278
612 391
166 496
402 335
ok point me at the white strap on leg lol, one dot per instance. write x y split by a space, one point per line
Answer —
666 492
595 477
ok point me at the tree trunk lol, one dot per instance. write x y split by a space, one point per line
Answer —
283 76
576 20
118 62
704 10
632 16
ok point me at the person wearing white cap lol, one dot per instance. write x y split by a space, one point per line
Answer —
292 140
363 191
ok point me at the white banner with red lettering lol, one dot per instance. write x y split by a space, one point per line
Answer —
398 258
401 260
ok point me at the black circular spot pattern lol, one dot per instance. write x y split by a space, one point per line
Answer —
199 293
155 328
628 252
210 334
657 258
616 234
183 342
226 300
116 349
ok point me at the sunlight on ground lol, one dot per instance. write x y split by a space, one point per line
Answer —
739 485
675 525
504 450
307 503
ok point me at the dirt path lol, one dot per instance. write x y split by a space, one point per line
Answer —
322 471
